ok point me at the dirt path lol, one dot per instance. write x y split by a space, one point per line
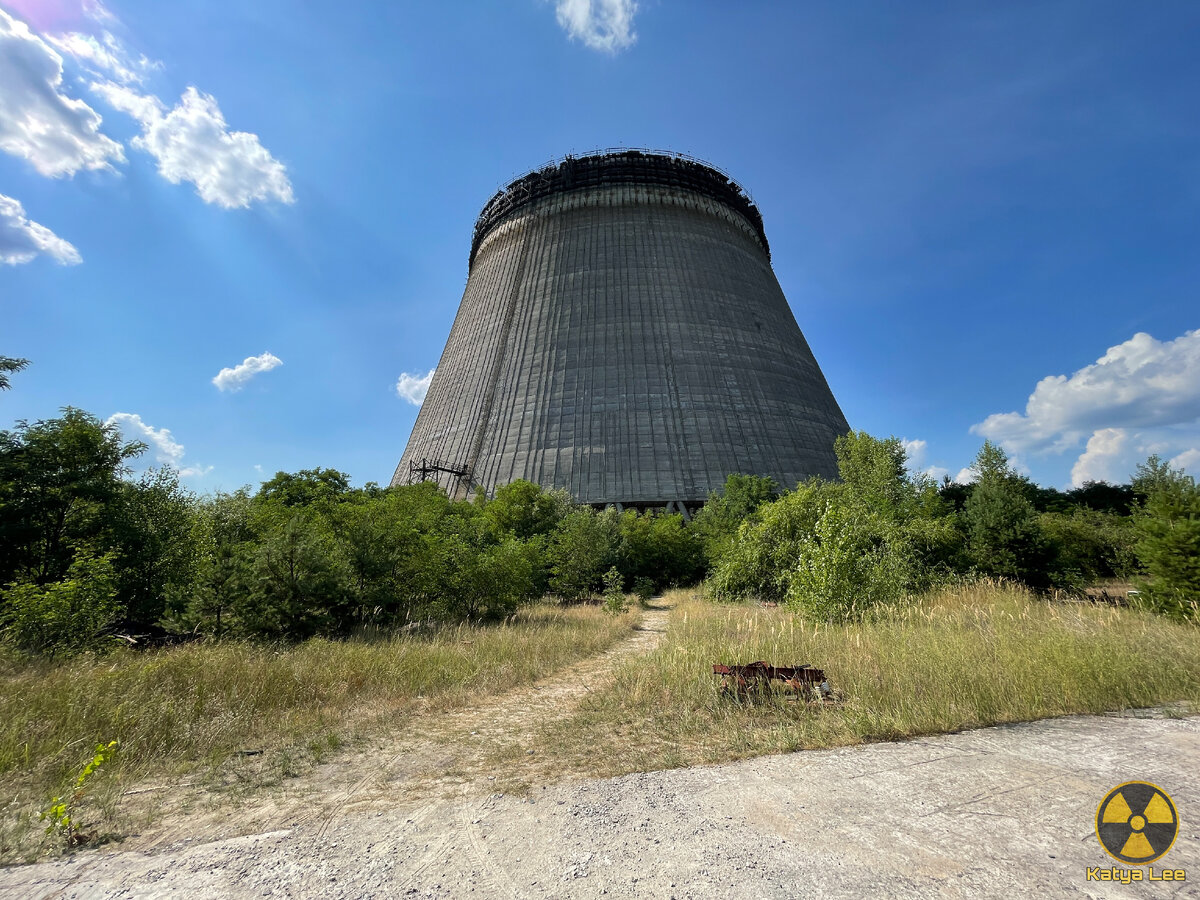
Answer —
998 812
433 757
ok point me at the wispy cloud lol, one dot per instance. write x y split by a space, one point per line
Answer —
1141 397
193 143
103 56
605 25
166 450
413 388
57 15
58 135
21 240
234 379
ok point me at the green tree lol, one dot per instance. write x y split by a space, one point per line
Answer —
717 522
298 577
1004 538
1086 545
660 548
847 565
150 531
1101 496
1167 525
225 547
760 560
524 510
59 481
306 487
582 548
8 365
837 549
874 471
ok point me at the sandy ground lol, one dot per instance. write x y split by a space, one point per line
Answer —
985 813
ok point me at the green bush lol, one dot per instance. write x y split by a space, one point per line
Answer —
837 550
761 558
1087 545
644 589
582 548
847 565
716 524
1167 525
615 601
659 547
64 617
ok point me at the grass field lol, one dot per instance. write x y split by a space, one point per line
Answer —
185 708
961 657
958 658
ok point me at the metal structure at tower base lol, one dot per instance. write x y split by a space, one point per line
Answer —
623 336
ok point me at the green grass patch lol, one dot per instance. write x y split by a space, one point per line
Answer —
958 658
193 707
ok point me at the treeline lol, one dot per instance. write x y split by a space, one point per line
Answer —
86 552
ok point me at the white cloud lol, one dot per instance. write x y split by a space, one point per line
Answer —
601 24
166 450
915 451
966 475
1141 397
97 11
1102 457
413 388
1140 383
103 56
21 239
1189 460
234 379
192 142
56 134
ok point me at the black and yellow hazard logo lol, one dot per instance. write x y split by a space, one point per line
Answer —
1136 823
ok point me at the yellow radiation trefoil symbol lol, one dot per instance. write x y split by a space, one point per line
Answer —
1136 823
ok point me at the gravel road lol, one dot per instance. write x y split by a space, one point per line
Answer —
990 813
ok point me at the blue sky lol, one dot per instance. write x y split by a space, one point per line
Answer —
985 216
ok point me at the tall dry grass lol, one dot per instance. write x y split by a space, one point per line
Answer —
180 708
961 657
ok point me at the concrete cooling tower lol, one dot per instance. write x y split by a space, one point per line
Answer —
622 336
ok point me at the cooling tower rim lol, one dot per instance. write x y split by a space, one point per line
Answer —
624 165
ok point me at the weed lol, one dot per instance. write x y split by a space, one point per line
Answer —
62 811
615 601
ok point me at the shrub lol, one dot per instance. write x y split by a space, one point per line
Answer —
582 548
659 547
644 589
716 524
847 565
1087 545
1168 540
64 617
615 601
759 561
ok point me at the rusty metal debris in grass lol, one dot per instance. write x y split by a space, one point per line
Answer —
804 681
